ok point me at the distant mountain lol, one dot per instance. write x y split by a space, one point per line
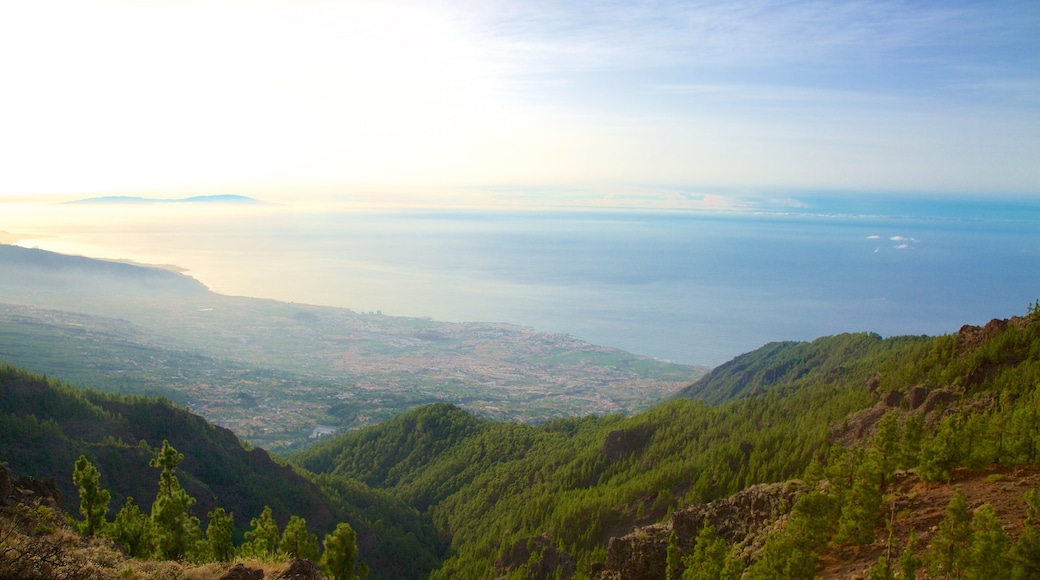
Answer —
40 270
126 199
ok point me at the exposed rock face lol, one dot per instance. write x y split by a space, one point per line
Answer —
970 337
742 520
28 490
892 399
916 397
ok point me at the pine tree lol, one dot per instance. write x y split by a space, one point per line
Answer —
910 442
950 553
340 553
673 564
132 529
93 501
1025 554
862 508
885 446
909 563
989 543
219 535
882 570
175 528
711 559
296 542
262 539
942 453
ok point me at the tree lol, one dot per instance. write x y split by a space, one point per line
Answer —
711 559
93 501
989 543
909 563
340 552
218 535
296 542
262 540
175 529
1025 554
862 507
910 441
882 570
673 564
950 553
885 446
131 528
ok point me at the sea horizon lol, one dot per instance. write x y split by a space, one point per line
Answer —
693 287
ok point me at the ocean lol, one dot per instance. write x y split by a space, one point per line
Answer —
692 287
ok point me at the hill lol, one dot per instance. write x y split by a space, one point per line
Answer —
46 425
849 411
72 276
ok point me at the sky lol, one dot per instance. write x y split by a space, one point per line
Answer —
661 103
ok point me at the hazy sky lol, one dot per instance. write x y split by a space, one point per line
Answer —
422 100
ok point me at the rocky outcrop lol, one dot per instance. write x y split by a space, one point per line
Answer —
27 490
300 570
970 337
241 572
743 520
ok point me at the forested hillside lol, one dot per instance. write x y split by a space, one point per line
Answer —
45 426
816 456
527 501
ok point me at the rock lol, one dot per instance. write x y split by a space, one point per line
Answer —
892 399
240 572
916 397
936 398
300 570
44 491
743 520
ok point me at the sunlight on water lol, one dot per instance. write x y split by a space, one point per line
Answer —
693 288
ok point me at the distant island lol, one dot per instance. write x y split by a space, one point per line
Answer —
224 198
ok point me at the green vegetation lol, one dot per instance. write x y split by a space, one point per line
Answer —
172 533
46 425
491 486
444 493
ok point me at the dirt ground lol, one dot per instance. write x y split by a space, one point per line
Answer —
920 507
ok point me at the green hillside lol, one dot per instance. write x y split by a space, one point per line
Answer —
45 426
556 493
437 492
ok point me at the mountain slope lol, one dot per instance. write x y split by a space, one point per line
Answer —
50 272
548 499
45 426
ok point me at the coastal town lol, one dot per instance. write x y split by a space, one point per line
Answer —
281 375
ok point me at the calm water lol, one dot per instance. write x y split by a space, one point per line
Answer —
692 288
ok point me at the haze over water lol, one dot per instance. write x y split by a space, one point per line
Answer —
693 287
